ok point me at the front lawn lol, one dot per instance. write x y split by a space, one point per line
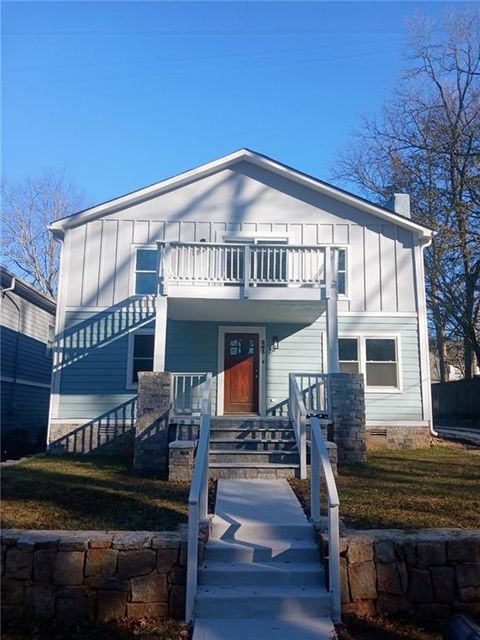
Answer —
78 492
408 489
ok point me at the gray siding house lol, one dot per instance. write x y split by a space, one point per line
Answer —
251 270
27 330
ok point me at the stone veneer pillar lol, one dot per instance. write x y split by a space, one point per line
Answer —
151 425
347 407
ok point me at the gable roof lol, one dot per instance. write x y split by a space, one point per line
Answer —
26 290
242 155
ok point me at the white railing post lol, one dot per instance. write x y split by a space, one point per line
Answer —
314 483
303 446
246 271
331 272
198 499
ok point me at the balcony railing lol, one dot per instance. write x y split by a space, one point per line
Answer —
247 265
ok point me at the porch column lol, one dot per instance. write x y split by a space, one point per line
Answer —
160 333
331 279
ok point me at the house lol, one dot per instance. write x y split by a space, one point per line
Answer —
27 330
248 269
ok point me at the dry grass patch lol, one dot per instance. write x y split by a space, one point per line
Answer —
79 492
381 628
408 489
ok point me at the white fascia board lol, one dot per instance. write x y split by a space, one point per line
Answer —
182 179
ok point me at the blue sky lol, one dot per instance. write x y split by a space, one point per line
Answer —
123 94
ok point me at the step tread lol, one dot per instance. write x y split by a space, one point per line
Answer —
262 591
285 627
252 567
253 465
240 452
259 440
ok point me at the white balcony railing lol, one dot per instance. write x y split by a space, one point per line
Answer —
249 265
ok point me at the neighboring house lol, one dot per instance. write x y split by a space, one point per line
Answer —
27 331
454 373
231 268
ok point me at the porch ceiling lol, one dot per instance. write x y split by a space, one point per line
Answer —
253 311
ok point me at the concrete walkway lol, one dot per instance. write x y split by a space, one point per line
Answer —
262 576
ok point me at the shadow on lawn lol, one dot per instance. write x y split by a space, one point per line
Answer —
96 493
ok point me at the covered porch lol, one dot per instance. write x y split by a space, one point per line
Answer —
277 316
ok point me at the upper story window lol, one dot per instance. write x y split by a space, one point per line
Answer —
50 341
145 271
342 272
376 358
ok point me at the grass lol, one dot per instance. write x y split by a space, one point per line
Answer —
381 628
148 629
78 492
408 489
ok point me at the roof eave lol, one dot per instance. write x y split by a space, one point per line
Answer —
59 227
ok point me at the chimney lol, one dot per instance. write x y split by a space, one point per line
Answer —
400 203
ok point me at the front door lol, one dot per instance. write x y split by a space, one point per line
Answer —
241 373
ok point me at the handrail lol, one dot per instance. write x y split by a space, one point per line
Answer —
244 244
198 499
298 415
319 457
187 392
316 393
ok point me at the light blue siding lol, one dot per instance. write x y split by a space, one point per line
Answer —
94 372
299 350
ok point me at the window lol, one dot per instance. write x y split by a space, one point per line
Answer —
381 362
348 355
376 358
146 271
142 359
342 272
50 341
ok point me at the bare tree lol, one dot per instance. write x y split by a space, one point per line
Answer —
427 141
27 208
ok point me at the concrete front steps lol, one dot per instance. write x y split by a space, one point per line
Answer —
262 577
252 447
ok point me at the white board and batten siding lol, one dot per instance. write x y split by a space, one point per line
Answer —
380 255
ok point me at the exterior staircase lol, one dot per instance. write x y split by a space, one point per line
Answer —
252 448
262 577
249 447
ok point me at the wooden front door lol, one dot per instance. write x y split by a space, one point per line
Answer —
241 373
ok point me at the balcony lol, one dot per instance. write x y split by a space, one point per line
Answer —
244 271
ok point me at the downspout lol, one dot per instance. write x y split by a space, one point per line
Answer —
423 245
4 294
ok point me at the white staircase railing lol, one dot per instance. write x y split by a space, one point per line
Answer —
198 499
319 461
319 464
298 415
314 391
188 392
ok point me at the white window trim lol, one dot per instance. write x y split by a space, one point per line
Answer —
133 271
233 236
261 332
131 342
361 336
346 295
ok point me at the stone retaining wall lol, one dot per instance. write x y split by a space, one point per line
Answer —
94 575
433 573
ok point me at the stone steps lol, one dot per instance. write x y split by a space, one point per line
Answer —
253 445
258 457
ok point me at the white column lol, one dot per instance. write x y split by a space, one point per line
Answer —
331 276
161 307
160 333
